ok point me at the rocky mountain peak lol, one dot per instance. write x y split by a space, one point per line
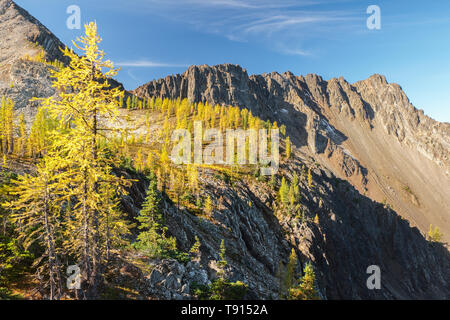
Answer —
377 78
225 67
20 33
24 44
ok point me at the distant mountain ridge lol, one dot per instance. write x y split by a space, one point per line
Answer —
231 85
367 132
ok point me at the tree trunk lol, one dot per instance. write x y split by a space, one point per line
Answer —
86 261
50 248
11 143
107 237
95 223
5 145
23 146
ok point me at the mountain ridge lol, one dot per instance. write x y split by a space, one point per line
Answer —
336 122
22 29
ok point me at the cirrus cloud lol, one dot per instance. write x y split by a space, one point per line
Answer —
147 64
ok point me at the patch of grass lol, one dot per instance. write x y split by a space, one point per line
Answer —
220 289
119 293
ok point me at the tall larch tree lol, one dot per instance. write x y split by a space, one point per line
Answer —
85 96
310 181
22 135
288 147
37 209
7 125
284 191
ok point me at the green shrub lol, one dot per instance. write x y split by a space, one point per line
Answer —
14 263
152 240
220 289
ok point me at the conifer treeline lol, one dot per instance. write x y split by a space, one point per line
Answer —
40 57
149 147
15 140
6 126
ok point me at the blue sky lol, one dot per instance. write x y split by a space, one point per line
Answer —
154 38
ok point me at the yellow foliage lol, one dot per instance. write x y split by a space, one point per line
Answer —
434 235
306 290
316 219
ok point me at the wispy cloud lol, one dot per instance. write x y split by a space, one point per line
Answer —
132 76
280 24
250 4
294 52
147 64
223 3
234 4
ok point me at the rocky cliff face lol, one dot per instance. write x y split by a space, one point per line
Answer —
367 133
20 31
353 232
272 95
22 35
